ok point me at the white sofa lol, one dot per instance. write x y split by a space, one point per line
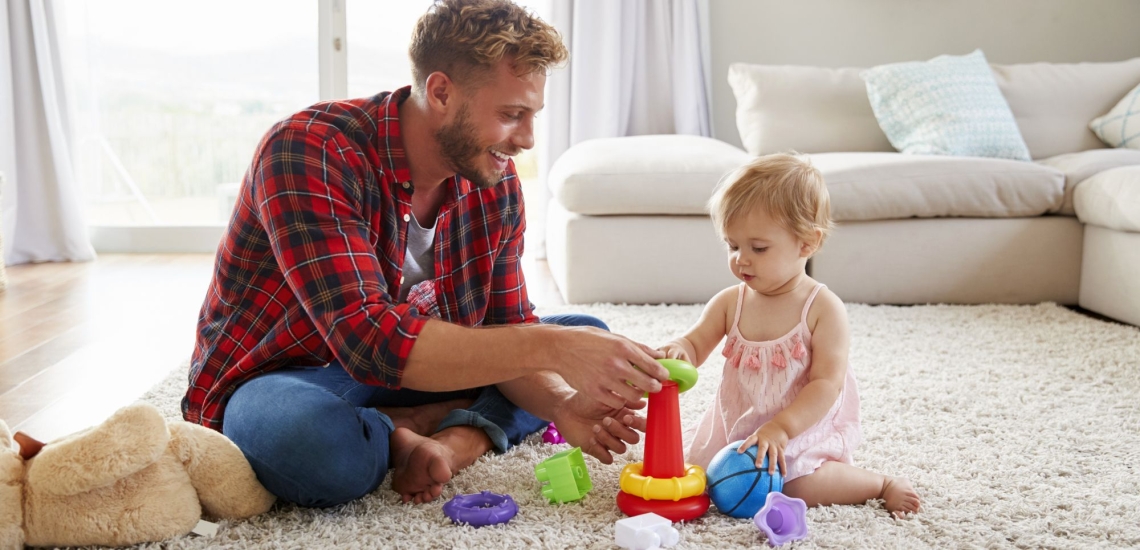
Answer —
628 223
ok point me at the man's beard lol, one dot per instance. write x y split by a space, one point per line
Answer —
459 148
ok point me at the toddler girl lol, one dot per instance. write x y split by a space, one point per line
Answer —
787 387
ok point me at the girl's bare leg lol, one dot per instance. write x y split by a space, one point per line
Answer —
839 483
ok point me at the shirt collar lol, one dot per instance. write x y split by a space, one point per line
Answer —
390 141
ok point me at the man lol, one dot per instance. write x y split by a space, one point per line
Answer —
370 237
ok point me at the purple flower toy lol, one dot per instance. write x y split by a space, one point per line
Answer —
782 518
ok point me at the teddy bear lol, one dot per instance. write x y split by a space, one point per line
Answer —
134 478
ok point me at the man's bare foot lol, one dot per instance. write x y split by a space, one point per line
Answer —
424 464
899 497
422 419
421 465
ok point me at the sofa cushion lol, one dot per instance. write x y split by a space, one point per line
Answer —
886 186
1079 167
1054 102
1120 127
1110 199
949 105
821 110
806 109
665 174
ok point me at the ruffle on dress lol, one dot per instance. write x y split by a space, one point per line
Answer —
775 354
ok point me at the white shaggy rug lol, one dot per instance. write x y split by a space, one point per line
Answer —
1017 424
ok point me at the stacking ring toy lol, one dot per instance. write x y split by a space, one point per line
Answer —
681 372
481 509
684 374
671 488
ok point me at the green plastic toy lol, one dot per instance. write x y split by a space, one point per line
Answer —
681 372
564 476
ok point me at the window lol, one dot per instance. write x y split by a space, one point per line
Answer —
378 34
171 99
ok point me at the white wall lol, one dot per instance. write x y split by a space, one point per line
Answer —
861 33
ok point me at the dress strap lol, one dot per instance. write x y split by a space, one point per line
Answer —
739 303
811 298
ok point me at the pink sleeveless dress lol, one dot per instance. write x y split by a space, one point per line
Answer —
760 379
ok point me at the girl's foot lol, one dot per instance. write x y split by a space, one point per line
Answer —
899 497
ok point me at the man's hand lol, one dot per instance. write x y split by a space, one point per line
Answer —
597 428
610 369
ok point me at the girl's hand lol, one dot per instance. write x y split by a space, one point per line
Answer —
674 350
770 440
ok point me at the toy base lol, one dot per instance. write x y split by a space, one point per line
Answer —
686 509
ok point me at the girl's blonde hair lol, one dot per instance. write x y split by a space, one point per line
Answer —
464 39
786 186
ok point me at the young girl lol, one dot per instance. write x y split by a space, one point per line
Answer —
786 386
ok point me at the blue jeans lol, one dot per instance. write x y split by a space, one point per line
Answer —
314 438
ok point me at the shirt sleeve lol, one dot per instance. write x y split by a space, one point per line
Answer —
310 192
510 303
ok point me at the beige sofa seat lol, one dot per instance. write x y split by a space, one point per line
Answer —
628 221
922 228
953 261
666 174
1109 204
889 186
1082 165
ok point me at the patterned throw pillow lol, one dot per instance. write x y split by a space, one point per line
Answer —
1120 127
950 105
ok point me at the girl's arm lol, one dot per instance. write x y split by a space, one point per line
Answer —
830 341
696 345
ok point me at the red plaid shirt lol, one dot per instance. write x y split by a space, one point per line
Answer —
313 255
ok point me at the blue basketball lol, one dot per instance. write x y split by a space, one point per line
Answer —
736 485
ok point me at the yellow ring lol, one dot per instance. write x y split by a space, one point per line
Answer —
673 488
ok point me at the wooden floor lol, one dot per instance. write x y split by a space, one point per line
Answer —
80 340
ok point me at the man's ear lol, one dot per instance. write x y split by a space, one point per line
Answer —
440 92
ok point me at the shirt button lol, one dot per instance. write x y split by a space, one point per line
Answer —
407 217
401 280
406 185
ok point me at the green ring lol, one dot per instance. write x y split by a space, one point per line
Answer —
681 372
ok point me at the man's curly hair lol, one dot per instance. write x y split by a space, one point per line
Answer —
465 39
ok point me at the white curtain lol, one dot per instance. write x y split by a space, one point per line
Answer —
41 216
636 67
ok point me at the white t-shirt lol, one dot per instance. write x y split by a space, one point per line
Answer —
419 260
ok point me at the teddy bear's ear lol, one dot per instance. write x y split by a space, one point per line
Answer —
132 439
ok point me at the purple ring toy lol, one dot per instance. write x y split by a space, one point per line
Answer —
481 509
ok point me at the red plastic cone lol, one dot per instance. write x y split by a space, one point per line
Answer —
664 457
